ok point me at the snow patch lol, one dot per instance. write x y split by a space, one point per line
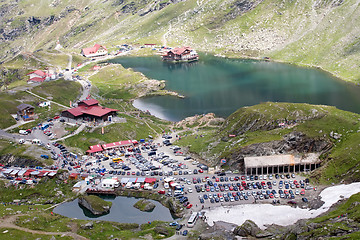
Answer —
267 214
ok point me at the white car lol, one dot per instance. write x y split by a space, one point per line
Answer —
23 132
190 190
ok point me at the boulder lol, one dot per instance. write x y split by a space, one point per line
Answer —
248 228
161 230
88 225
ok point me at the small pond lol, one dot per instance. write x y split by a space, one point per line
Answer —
122 211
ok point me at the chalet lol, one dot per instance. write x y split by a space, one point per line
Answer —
25 111
95 51
183 54
90 110
37 76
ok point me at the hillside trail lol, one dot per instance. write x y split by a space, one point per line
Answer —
8 222
164 40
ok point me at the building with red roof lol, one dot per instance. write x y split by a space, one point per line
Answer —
183 54
89 110
37 76
95 149
122 145
95 51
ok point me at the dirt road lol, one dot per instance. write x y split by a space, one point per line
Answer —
8 222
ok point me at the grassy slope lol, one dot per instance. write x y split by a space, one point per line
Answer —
14 234
8 104
60 90
133 129
15 149
114 81
341 163
43 191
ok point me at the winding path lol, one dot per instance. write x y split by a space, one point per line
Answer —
46 99
8 222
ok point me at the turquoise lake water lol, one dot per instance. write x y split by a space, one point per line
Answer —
222 86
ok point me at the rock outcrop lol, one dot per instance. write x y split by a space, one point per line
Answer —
95 204
248 228
144 205
174 208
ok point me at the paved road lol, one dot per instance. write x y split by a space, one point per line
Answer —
86 86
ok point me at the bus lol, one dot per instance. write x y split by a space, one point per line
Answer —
192 220
117 160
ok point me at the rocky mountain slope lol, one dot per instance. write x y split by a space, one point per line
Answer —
320 33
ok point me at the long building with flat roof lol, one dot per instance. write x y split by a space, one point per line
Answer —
280 164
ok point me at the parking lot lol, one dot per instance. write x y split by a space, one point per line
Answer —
208 191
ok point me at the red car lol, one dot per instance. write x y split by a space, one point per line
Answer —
189 206
200 171
302 192
161 192
77 166
56 117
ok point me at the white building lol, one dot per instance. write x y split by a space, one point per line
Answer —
109 183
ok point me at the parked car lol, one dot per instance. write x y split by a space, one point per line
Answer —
178 227
173 223
23 132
